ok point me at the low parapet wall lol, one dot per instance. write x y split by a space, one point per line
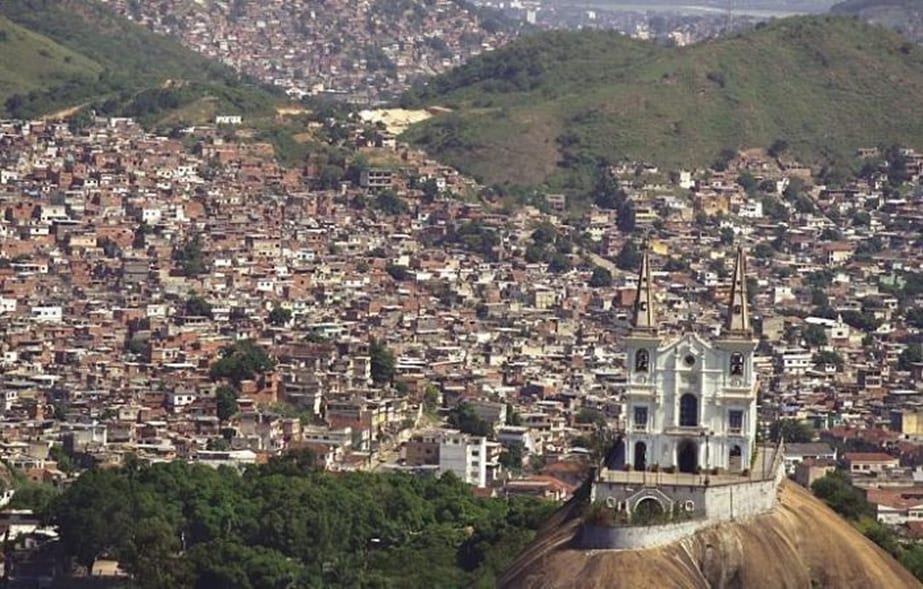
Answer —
713 505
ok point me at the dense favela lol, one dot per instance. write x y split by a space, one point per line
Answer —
437 294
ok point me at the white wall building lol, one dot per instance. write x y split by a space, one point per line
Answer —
464 455
691 403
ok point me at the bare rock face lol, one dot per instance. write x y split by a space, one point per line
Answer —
801 544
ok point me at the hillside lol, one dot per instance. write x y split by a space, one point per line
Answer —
549 107
801 544
904 16
62 53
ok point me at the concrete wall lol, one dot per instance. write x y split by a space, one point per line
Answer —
713 505
636 537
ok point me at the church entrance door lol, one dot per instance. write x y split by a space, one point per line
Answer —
687 456
640 456
735 460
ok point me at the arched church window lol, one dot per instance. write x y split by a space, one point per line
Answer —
737 364
642 361
688 410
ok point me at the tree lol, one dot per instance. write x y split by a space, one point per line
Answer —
196 306
815 336
601 277
244 360
190 257
629 257
747 182
544 234
398 272
914 317
280 316
626 217
763 251
512 455
382 363
829 357
35 496
589 415
910 355
726 235
465 419
389 202
791 431
559 264
93 516
778 147
838 493
226 402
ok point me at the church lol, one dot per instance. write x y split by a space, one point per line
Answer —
690 402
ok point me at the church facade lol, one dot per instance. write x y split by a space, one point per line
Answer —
690 402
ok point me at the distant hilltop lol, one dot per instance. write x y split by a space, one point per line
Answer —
546 108
904 16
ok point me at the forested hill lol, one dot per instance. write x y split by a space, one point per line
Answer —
56 54
285 524
904 16
552 106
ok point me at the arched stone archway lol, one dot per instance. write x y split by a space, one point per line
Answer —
647 509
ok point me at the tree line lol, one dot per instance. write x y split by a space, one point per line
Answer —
286 524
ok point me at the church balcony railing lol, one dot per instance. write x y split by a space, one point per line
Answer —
684 430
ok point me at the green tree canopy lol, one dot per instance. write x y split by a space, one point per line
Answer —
226 402
601 277
287 524
465 419
382 363
280 316
910 356
243 360
791 430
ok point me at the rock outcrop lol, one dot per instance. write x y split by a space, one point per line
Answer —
802 543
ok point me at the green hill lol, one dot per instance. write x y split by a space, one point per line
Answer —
550 108
30 61
904 16
56 54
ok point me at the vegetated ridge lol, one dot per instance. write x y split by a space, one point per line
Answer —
56 54
904 16
801 544
551 107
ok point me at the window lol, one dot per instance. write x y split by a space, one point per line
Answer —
642 360
688 410
737 364
735 421
689 360
641 418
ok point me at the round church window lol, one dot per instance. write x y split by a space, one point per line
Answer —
689 360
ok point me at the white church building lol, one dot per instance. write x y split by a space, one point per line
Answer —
690 403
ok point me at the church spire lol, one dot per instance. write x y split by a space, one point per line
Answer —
738 319
644 301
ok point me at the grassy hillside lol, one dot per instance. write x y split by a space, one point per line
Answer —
61 53
904 16
30 61
550 107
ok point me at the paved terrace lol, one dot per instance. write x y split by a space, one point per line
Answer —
764 469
